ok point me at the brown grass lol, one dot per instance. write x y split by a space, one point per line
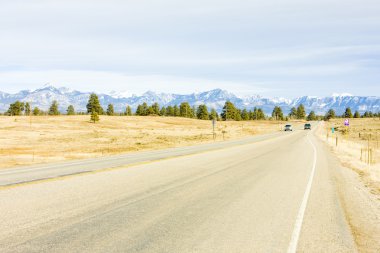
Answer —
353 145
30 140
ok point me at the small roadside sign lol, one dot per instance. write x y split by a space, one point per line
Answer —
213 129
332 130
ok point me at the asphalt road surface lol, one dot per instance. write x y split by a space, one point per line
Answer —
272 193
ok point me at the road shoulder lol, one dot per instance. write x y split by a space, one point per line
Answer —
361 207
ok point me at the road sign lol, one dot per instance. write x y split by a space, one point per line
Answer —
213 129
346 122
332 130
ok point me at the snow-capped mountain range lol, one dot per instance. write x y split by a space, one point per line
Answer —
44 96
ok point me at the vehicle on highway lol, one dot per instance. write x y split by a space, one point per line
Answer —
288 128
307 126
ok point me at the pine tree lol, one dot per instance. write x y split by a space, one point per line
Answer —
27 109
170 111
128 111
244 115
260 114
357 115
142 110
70 110
238 115
110 110
185 110
163 111
253 114
202 112
94 105
229 111
53 110
16 108
311 116
36 111
193 112
347 113
277 113
94 116
156 109
293 113
330 114
301 113
176 111
214 115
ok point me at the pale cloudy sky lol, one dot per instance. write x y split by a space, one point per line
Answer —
273 47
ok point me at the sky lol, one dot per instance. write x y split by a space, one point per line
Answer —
272 48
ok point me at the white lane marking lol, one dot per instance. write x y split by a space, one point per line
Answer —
297 226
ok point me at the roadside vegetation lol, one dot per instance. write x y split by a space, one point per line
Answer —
31 140
357 145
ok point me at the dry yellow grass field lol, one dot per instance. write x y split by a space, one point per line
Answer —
357 146
30 140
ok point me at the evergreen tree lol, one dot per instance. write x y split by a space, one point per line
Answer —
277 113
110 110
128 111
368 114
150 110
156 109
94 116
185 110
193 112
53 110
330 114
16 108
94 105
70 110
357 115
260 114
176 112
229 111
347 113
142 110
27 109
36 111
163 111
170 111
253 114
293 113
214 114
301 113
202 112
238 115
311 116
244 115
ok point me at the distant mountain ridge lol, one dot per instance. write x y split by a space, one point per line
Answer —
216 98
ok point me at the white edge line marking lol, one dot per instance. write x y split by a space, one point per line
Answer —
298 225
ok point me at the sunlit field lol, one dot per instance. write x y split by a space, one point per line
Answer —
39 139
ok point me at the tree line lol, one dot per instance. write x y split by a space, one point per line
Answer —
229 112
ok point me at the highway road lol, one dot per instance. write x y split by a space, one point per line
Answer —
273 193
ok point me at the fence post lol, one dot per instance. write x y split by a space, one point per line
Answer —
361 154
369 138
336 141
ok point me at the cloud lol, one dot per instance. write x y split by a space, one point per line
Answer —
246 45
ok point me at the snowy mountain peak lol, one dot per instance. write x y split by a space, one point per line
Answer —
215 98
342 95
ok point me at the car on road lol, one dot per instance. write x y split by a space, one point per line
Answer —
307 126
288 128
